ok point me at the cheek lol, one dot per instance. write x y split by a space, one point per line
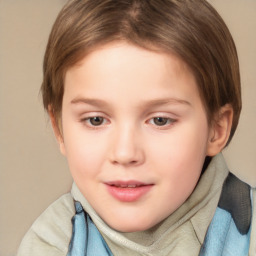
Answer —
181 152
84 154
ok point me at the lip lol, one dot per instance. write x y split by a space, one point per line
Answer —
128 191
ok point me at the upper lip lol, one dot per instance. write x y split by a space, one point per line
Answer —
129 183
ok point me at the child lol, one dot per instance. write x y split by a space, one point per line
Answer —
143 96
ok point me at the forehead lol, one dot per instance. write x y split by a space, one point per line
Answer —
119 53
120 68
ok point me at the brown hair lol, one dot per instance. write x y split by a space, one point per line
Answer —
191 29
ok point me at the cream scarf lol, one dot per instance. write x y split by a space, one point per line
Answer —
182 233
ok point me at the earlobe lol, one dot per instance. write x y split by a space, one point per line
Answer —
220 130
56 130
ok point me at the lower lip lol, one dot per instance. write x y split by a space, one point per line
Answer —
129 194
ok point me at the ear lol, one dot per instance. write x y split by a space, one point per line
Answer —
56 130
220 130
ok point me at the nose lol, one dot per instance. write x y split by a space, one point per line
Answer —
127 147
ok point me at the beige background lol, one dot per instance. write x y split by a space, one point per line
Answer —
32 172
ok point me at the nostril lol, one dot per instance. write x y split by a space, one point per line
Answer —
124 162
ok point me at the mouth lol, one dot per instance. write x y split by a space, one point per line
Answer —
128 191
126 184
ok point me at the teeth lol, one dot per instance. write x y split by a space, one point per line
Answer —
127 186
132 186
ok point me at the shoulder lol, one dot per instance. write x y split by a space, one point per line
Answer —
50 234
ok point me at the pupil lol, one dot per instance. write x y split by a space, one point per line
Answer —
160 121
96 120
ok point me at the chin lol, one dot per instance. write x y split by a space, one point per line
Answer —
130 227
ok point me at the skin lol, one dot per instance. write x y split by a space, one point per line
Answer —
150 127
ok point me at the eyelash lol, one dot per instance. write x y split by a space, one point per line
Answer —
167 121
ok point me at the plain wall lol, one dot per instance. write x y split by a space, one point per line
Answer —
32 171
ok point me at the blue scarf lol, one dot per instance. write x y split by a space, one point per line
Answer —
223 237
86 238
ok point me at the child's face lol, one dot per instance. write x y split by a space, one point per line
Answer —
135 134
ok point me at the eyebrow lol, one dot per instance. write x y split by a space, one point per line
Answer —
165 101
146 104
93 102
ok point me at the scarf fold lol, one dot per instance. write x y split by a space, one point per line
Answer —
223 237
86 238
182 233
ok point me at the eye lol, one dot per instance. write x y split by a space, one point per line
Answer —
161 121
95 121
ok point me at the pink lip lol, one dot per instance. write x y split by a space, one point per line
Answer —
128 191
